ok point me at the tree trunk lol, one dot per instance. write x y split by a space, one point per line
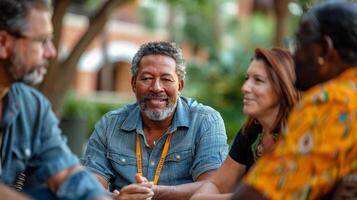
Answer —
281 14
61 74
60 8
245 12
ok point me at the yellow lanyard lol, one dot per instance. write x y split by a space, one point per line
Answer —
161 162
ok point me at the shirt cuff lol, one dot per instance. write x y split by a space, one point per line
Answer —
204 169
81 185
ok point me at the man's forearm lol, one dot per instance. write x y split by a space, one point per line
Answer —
78 179
56 180
179 192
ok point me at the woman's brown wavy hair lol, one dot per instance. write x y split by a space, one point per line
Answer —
280 69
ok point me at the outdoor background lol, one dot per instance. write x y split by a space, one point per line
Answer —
96 40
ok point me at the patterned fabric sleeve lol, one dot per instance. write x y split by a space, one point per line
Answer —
318 149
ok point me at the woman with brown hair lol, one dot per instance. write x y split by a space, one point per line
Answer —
269 96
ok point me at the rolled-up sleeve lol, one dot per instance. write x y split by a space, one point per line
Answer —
211 147
95 157
40 148
52 154
81 185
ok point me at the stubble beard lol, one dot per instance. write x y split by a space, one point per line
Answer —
17 64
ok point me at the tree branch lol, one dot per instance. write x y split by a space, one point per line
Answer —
59 79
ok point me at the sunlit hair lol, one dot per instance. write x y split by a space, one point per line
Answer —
280 69
14 13
160 48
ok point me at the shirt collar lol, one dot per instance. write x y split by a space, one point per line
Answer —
181 117
11 105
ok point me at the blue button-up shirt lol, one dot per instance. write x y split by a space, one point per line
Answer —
32 142
198 145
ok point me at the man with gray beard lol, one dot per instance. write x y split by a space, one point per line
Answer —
33 156
163 146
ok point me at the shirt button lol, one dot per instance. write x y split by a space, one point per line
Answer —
27 152
152 163
123 160
178 157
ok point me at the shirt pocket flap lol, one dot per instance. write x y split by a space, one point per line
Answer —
178 156
121 159
21 153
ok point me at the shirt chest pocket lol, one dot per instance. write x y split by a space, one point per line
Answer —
124 165
177 167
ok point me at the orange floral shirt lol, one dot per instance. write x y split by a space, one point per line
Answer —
318 147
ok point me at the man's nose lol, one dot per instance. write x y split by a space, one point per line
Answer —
49 50
156 85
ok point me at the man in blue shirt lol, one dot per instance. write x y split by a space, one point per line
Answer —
173 141
33 153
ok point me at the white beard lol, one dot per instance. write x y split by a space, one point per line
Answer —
159 116
35 77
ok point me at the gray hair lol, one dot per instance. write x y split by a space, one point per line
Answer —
160 48
13 15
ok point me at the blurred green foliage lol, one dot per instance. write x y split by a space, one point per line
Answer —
228 41
90 111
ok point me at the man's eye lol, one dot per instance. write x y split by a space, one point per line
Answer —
167 80
146 78
45 40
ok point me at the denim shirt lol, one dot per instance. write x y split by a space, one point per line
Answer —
198 145
32 142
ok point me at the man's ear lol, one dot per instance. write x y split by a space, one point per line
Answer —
329 56
4 44
328 50
181 84
133 83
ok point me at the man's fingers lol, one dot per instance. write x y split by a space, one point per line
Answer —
136 191
115 194
137 196
147 184
136 188
140 179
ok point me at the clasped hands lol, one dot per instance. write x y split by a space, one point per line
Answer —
141 190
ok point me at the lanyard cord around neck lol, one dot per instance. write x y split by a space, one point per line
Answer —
161 162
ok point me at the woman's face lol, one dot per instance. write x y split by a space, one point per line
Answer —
260 98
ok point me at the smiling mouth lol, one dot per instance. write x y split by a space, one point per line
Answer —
156 102
42 70
247 100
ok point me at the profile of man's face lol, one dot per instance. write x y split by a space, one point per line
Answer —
306 56
29 57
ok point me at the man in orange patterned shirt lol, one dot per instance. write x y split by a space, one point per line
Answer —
320 144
